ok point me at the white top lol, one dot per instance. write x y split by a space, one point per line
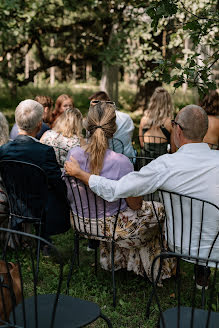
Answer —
125 128
193 171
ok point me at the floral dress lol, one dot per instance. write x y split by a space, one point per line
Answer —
137 240
60 144
137 235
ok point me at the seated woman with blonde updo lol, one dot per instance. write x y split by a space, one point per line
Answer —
65 134
155 126
136 235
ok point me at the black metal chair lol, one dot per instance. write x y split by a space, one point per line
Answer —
140 161
27 190
155 147
191 227
39 308
116 145
190 310
87 211
61 155
213 146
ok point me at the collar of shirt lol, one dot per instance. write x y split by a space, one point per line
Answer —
194 147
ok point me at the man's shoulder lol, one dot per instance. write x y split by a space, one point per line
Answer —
123 115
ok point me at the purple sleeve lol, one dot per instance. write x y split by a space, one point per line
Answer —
125 166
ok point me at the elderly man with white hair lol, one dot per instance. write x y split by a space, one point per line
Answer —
25 147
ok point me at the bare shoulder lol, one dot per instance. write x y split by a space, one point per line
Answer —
167 124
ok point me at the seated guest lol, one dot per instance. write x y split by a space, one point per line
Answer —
47 104
25 147
4 136
65 134
191 171
125 127
62 103
136 234
155 126
210 103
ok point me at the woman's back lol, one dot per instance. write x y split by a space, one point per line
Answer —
114 167
155 126
212 135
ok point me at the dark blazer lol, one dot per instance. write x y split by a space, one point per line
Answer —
27 149
14 131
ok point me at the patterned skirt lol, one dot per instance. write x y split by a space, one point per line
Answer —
137 240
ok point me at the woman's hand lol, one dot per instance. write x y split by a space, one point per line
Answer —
72 167
134 203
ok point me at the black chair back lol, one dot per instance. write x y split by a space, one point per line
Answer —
185 306
191 225
27 191
88 210
116 145
24 284
155 146
213 146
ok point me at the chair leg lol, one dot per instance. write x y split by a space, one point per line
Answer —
152 293
113 276
95 261
38 233
106 319
77 247
74 256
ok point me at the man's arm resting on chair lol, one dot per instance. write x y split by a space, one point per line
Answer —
72 168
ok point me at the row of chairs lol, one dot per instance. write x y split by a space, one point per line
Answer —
177 207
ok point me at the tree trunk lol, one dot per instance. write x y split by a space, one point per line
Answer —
52 69
144 91
109 81
88 70
27 66
11 85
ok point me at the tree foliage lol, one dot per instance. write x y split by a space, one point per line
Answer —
196 21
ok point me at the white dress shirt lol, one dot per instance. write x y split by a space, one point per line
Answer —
193 171
125 128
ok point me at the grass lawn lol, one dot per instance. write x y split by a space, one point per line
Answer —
132 290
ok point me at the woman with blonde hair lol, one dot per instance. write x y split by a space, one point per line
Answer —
155 127
65 134
137 237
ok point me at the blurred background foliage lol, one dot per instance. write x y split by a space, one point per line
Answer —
141 43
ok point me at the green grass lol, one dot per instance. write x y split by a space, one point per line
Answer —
132 291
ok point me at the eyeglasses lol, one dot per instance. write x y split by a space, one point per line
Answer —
94 102
173 122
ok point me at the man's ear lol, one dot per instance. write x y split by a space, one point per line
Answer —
46 109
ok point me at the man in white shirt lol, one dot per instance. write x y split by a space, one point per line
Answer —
193 170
